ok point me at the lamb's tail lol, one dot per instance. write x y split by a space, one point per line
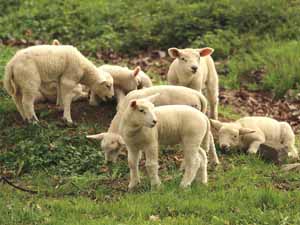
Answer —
207 137
8 81
203 102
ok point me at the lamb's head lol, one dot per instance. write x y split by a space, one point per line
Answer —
103 87
111 143
140 111
189 59
229 134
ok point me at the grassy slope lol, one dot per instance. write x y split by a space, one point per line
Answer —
76 189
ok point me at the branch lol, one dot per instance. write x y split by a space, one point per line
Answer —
5 180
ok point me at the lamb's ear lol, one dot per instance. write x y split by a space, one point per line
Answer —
205 51
244 131
55 42
96 136
136 71
174 52
216 124
133 104
152 98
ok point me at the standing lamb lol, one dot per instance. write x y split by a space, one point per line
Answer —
32 67
194 68
250 132
144 127
111 141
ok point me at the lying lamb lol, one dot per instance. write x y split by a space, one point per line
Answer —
144 127
250 132
194 68
32 67
112 143
48 92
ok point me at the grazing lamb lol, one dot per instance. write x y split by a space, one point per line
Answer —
93 97
194 68
112 144
144 127
35 66
248 133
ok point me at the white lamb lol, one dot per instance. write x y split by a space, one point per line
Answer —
48 92
144 127
194 68
249 133
93 97
35 66
111 141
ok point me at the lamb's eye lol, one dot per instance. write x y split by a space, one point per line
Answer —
108 86
183 59
141 110
235 136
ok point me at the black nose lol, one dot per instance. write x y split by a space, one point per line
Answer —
194 68
154 121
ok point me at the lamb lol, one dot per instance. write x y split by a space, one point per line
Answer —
143 127
248 133
48 92
93 97
194 68
35 66
124 79
111 141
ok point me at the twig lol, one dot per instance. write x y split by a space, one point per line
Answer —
5 180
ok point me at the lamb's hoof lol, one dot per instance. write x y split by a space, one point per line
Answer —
184 185
68 123
133 185
156 186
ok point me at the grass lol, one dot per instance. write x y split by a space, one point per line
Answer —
74 187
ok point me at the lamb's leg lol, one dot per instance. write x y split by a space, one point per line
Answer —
292 151
120 95
59 101
192 164
28 106
133 162
254 146
67 87
202 171
212 96
212 150
18 101
152 165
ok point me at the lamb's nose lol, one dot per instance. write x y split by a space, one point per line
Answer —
194 68
154 122
224 146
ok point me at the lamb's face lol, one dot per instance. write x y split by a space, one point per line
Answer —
104 89
112 144
229 134
228 137
189 59
142 113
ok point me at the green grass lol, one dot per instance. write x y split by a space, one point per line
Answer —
278 61
74 187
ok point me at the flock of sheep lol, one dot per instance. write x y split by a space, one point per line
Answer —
147 115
